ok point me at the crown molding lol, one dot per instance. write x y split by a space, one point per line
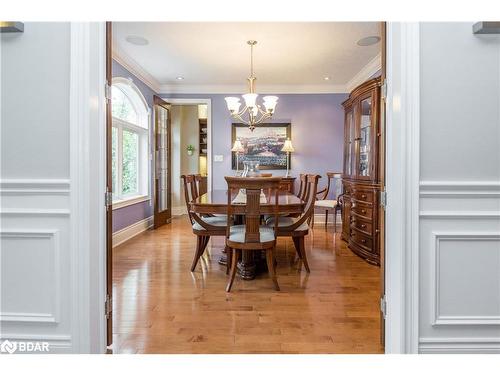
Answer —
365 73
133 67
262 89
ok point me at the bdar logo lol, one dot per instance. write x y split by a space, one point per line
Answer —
8 347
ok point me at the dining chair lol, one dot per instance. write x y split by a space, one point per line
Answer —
251 236
298 228
302 186
204 227
327 205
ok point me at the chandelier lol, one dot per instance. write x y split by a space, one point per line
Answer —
252 113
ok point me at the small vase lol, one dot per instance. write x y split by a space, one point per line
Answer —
251 169
190 152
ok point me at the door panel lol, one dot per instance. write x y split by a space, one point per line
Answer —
163 207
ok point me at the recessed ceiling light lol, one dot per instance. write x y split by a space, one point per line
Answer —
368 41
326 78
137 40
179 78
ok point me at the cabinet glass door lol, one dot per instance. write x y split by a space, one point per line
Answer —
349 147
365 136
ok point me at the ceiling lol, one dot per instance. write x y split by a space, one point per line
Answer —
214 56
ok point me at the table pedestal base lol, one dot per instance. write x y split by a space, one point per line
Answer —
252 262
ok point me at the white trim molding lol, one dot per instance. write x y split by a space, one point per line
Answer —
123 235
133 67
34 186
455 189
263 89
402 186
455 345
87 186
365 73
438 318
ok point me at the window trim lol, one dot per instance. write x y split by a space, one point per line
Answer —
143 130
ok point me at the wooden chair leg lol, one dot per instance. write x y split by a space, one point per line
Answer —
303 252
270 267
334 221
229 254
326 219
201 244
234 263
297 246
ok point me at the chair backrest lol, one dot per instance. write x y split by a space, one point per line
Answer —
191 190
302 186
337 185
253 186
323 194
310 188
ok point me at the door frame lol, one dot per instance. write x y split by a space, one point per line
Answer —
402 186
208 102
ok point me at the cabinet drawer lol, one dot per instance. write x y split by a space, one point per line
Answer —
364 196
362 239
361 210
362 225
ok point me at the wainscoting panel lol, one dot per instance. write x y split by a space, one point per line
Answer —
35 262
459 267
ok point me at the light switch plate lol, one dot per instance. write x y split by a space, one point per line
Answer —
218 158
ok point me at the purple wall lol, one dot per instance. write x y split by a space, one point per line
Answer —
123 217
317 132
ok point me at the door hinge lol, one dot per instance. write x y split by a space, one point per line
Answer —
383 306
108 199
108 306
383 199
107 91
383 89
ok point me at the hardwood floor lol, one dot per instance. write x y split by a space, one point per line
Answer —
161 307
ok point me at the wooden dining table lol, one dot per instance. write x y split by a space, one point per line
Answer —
215 202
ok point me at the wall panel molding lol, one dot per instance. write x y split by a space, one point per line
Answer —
466 189
34 186
30 317
438 318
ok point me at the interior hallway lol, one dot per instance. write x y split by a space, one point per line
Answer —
160 307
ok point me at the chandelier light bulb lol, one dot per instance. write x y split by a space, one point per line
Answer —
250 100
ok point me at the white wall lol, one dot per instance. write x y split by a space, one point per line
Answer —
52 86
459 253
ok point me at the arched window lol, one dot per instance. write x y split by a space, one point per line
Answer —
130 143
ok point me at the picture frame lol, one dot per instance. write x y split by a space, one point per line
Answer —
263 144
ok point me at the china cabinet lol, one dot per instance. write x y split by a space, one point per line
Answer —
360 178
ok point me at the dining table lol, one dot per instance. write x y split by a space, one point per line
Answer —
214 202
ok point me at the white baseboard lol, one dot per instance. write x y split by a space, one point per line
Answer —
131 231
447 345
320 219
180 210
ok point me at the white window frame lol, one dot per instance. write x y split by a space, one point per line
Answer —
142 129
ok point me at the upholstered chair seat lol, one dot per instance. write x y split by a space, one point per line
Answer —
288 221
212 220
326 203
237 234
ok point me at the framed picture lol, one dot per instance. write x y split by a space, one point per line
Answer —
264 144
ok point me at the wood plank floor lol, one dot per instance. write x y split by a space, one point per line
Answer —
161 307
